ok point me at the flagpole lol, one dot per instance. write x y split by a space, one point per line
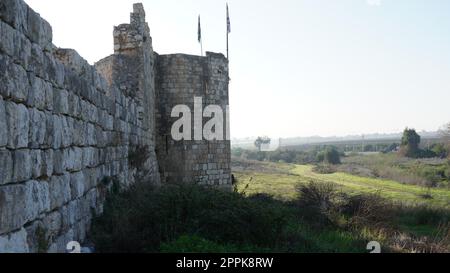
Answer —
228 29
200 40
227 43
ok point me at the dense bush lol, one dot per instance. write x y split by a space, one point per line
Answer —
439 150
410 143
318 202
332 156
288 156
367 210
197 244
189 218
324 169
139 219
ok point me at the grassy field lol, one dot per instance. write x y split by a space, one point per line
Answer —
275 208
280 180
433 172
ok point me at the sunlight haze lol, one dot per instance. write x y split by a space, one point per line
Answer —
297 68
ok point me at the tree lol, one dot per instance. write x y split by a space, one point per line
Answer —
445 131
332 156
445 134
410 143
439 150
260 141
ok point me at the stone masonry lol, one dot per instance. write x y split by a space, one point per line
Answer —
69 130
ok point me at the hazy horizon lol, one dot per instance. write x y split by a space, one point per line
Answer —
297 68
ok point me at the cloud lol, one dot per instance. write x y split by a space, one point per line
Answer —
374 2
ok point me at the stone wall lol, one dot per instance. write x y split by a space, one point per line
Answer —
66 132
69 130
180 78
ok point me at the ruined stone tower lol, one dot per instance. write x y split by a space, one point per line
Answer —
69 130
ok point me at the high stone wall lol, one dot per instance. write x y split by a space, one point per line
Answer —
69 129
65 131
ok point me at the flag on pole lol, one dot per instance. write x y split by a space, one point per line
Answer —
199 30
228 21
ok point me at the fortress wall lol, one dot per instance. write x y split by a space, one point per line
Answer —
179 79
66 131
69 130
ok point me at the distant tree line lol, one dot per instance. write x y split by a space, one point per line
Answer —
410 145
326 154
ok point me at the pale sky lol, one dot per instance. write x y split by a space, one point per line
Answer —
297 67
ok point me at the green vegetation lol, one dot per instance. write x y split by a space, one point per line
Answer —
379 209
276 207
315 155
282 184
410 143
422 172
330 156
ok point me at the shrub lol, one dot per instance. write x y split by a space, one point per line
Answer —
197 244
317 202
143 217
440 150
423 215
320 156
332 156
324 169
368 210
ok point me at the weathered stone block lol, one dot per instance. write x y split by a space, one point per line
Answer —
74 104
79 133
6 167
53 224
14 81
22 203
90 134
60 244
77 184
17 120
38 198
60 161
7 38
36 94
75 159
12 207
39 30
36 163
89 157
22 165
59 191
68 215
56 131
15 242
14 13
60 101
3 124
38 128
47 167
67 129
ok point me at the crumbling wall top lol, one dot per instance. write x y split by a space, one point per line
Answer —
131 36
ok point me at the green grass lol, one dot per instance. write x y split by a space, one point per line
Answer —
416 215
266 214
282 185
429 171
